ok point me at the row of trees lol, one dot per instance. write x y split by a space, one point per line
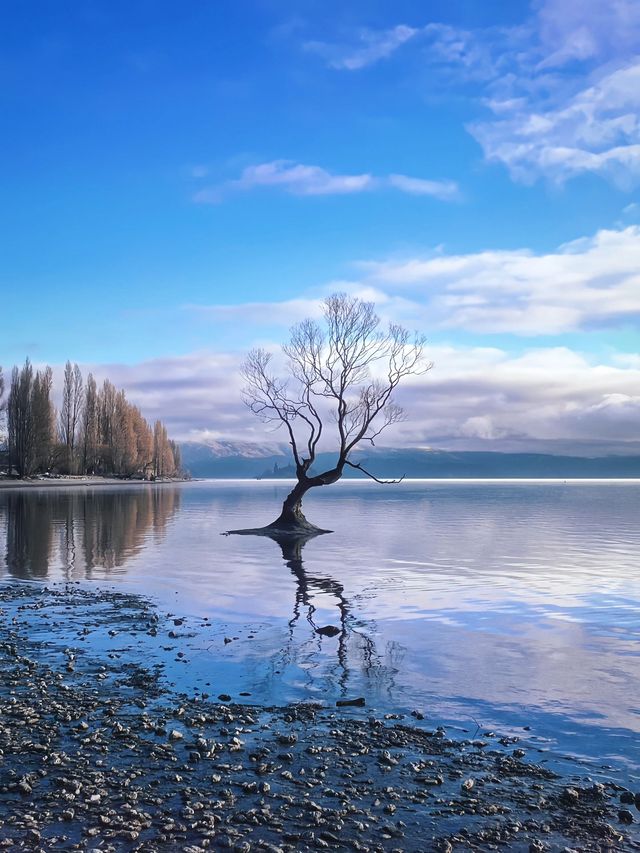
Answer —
96 431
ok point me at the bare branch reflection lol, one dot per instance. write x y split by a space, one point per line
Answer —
355 636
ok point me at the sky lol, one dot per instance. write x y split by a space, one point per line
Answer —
183 181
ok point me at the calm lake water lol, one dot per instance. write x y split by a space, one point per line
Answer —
494 605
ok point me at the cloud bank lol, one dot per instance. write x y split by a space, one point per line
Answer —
583 284
477 397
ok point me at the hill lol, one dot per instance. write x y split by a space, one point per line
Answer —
228 460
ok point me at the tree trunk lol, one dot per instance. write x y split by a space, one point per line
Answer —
291 523
292 517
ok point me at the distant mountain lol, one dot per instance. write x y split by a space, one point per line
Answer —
230 460
218 449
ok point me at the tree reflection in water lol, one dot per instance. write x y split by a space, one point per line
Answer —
76 531
355 636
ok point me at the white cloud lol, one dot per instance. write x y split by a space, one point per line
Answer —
597 130
304 180
368 47
587 283
300 179
584 283
294 178
547 397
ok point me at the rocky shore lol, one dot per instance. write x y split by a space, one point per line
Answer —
98 752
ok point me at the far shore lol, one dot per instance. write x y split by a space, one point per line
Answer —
58 482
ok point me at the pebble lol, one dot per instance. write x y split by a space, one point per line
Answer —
121 777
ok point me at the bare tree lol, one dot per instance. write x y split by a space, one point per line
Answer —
89 427
43 417
21 434
2 407
341 374
72 398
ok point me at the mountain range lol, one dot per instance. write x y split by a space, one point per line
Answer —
243 460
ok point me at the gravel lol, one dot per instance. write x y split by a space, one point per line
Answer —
99 753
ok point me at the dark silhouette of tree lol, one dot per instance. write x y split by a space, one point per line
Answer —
340 376
43 416
22 451
90 424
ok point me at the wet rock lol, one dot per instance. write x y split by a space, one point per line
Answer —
287 739
359 702
570 797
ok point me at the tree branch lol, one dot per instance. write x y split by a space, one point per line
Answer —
382 482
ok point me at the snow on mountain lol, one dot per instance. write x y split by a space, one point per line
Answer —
222 449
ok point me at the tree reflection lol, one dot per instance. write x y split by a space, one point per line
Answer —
79 530
355 636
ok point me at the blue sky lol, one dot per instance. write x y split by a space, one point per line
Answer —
181 181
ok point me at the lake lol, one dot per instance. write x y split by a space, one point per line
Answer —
506 605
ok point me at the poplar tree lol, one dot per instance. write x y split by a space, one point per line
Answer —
20 421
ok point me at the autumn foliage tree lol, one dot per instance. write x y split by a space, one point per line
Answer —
338 386
97 431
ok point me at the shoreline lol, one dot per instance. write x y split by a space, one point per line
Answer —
98 747
74 481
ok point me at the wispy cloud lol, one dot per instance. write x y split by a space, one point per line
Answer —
366 48
444 190
284 313
562 87
304 180
567 96
597 130
597 30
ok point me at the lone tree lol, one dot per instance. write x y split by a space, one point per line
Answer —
341 375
